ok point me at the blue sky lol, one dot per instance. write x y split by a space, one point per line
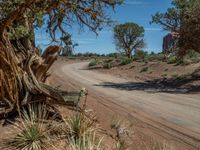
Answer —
138 11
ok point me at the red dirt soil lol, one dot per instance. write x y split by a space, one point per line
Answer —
144 131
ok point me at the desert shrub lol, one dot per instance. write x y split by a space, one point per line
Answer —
88 141
172 60
114 55
145 69
156 57
109 60
193 56
94 62
125 61
140 55
32 132
79 124
82 132
107 65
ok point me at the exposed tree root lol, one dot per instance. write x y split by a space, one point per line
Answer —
23 77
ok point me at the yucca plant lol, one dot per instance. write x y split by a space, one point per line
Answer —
87 141
31 133
79 124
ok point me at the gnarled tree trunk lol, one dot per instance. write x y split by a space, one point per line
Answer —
21 73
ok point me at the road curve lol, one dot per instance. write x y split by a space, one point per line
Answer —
177 115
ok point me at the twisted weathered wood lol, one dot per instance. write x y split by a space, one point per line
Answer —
21 79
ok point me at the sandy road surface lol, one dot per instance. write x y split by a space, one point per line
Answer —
175 116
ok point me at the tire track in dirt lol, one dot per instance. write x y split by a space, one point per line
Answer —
154 111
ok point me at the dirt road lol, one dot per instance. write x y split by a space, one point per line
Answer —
173 116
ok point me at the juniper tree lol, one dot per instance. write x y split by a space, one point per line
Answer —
183 19
22 71
129 37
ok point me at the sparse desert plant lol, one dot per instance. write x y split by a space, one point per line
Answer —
109 60
145 69
125 61
172 60
107 65
79 124
122 133
155 57
88 141
94 62
140 55
31 133
82 132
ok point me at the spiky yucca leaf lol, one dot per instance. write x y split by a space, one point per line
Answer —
88 141
79 124
31 133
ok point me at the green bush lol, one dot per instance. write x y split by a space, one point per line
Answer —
172 60
140 55
156 57
114 55
94 62
125 61
107 65
109 60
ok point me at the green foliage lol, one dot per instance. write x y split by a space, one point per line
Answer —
129 37
172 60
19 32
125 61
107 65
81 134
114 55
192 56
57 15
109 60
88 141
79 124
32 132
36 131
156 57
93 63
140 55
183 21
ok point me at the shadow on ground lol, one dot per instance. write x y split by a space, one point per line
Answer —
187 84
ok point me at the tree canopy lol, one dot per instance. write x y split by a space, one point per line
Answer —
22 70
57 14
129 37
183 19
